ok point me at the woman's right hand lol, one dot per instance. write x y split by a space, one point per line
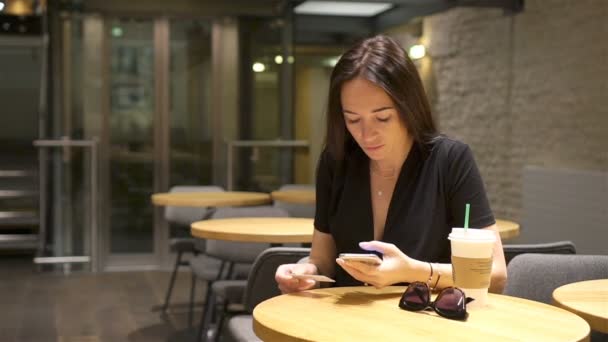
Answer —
288 284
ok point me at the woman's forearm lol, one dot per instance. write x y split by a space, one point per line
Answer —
442 276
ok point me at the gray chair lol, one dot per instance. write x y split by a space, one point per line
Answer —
535 276
237 258
296 209
261 286
182 217
559 247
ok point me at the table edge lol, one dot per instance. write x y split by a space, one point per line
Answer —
597 323
162 202
268 334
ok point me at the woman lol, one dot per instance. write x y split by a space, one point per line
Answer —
387 182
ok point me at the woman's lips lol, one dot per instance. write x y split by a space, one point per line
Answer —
373 148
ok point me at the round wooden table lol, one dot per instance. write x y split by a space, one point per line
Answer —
256 229
210 199
294 196
369 314
588 299
507 229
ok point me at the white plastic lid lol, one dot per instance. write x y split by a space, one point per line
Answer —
472 235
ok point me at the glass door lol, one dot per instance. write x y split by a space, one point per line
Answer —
130 138
158 128
190 135
141 88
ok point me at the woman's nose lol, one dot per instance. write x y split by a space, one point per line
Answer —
368 131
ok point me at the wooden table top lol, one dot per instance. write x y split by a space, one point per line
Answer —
588 299
256 229
210 199
507 229
294 196
369 314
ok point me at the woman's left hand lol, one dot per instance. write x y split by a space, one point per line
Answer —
393 269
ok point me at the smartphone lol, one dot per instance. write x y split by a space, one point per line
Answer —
369 258
315 277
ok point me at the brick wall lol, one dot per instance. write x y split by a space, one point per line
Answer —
529 89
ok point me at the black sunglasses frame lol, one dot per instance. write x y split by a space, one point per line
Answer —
459 314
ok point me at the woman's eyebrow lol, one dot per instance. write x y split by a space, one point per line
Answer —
381 109
373 111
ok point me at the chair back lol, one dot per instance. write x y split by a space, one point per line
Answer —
261 284
187 215
535 276
241 252
297 209
559 247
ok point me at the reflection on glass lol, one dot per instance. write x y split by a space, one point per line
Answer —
190 118
190 86
131 140
259 168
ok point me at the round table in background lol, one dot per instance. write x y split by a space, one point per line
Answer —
370 314
210 199
294 196
256 229
588 299
507 229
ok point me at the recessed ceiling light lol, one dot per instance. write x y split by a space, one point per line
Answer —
342 8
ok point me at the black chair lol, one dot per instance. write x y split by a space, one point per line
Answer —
237 258
261 286
559 247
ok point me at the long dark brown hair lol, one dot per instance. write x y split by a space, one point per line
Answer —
383 62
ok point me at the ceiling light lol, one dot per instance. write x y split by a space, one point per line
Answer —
1 6
342 8
278 59
18 7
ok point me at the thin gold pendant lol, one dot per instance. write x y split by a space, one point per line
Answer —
379 192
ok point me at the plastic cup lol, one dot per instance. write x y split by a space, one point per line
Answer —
472 251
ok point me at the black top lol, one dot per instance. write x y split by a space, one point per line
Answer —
434 185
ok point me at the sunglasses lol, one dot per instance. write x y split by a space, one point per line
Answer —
450 303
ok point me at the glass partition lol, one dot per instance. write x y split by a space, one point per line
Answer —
190 117
131 82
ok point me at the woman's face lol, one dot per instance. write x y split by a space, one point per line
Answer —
372 119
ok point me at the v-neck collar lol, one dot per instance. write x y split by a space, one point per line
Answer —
406 177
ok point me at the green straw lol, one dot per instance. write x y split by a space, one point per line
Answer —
466 217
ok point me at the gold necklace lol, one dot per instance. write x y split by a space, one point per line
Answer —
383 175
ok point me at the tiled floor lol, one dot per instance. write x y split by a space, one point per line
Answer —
118 306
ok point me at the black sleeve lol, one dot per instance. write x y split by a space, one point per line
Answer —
466 186
323 192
